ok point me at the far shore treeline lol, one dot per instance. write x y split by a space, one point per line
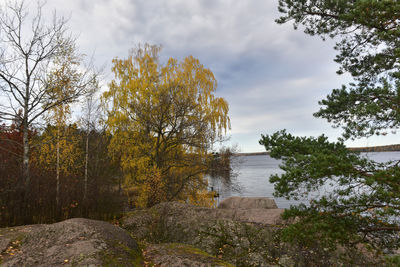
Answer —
386 148
376 148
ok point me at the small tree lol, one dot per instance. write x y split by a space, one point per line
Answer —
91 116
164 119
60 154
363 205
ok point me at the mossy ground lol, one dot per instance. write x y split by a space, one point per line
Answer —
121 255
393 261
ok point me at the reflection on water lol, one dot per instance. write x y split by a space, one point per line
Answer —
253 177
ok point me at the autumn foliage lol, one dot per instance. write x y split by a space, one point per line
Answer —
149 142
153 145
104 199
163 119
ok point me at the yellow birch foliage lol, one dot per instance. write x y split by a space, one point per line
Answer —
59 137
71 152
164 120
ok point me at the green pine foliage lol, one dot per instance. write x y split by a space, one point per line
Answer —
362 202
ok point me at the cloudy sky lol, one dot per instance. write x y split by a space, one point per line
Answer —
271 75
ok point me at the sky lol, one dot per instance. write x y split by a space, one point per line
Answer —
271 75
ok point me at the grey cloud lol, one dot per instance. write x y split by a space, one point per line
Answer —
271 75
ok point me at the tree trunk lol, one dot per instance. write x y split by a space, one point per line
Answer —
25 161
58 172
26 192
86 166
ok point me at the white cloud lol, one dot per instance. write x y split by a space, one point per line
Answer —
271 75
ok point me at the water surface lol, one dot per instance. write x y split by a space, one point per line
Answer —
254 171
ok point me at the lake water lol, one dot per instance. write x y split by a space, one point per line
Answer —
253 177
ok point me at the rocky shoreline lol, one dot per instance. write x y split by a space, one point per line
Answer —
240 232
84 242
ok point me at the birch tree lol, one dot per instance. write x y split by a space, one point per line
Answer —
28 48
164 119
91 113
63 78
60 153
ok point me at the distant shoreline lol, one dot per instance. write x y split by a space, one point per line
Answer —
386 148
251 154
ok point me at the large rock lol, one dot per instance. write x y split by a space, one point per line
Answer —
177 255
248 203
180 222
207 229
74 242
242 237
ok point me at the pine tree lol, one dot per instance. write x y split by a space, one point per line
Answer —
364 204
